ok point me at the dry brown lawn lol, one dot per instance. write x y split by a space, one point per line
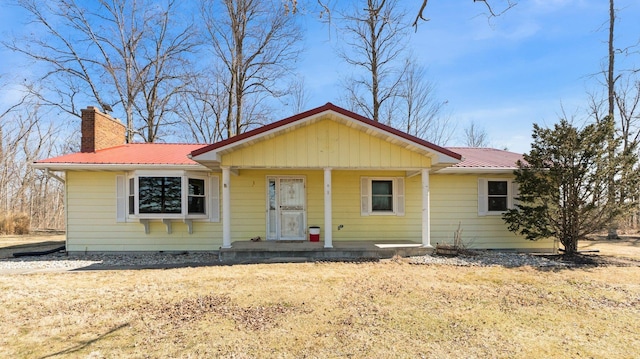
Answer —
323 310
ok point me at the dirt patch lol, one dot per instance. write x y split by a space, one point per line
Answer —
189 310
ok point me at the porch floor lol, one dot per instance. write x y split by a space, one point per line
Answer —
300 251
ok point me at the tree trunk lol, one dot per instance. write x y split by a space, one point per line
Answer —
613 230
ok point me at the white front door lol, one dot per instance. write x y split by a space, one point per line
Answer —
286 208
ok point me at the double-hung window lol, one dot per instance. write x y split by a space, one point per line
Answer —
177 194
496 195
196 198
382 196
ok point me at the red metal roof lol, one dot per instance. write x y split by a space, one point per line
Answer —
486 158
133 153
177 154
327 107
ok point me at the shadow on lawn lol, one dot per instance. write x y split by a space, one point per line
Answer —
84 344
591 260
7 252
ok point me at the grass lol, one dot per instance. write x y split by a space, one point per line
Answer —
323 310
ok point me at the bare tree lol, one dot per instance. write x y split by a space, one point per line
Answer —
257 41
375 38
421 112
202 107
298 96
611 83
621 105
30 198
123 54
493 11
475 136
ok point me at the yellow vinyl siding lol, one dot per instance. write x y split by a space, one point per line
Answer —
92 223
248 206
347 212
249 201
454 200
325 143
91 203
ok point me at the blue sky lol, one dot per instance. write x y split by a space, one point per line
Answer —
504 74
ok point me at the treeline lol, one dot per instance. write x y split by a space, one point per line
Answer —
29 198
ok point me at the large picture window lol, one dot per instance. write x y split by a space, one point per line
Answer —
172 194
159 195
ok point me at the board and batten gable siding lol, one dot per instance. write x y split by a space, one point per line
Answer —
325 143
92 226
454 201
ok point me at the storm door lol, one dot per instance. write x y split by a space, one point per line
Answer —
286 208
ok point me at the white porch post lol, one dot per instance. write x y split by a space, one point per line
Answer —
226 208
426 210
328 226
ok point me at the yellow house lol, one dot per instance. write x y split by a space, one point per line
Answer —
327 174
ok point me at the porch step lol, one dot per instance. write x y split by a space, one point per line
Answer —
277 253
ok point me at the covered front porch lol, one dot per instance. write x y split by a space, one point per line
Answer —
327 169
302 251
323 201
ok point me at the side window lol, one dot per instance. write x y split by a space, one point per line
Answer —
132 196
496 195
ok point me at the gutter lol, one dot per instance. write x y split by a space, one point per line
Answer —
477 170
114 167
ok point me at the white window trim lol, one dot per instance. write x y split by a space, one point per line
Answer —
212 196
483 195
366 196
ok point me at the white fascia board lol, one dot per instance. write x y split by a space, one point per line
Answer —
116 167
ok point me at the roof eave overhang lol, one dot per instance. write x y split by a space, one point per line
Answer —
116 167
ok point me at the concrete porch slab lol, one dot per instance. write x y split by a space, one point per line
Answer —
268 251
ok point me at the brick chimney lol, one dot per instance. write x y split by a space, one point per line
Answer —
99 130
